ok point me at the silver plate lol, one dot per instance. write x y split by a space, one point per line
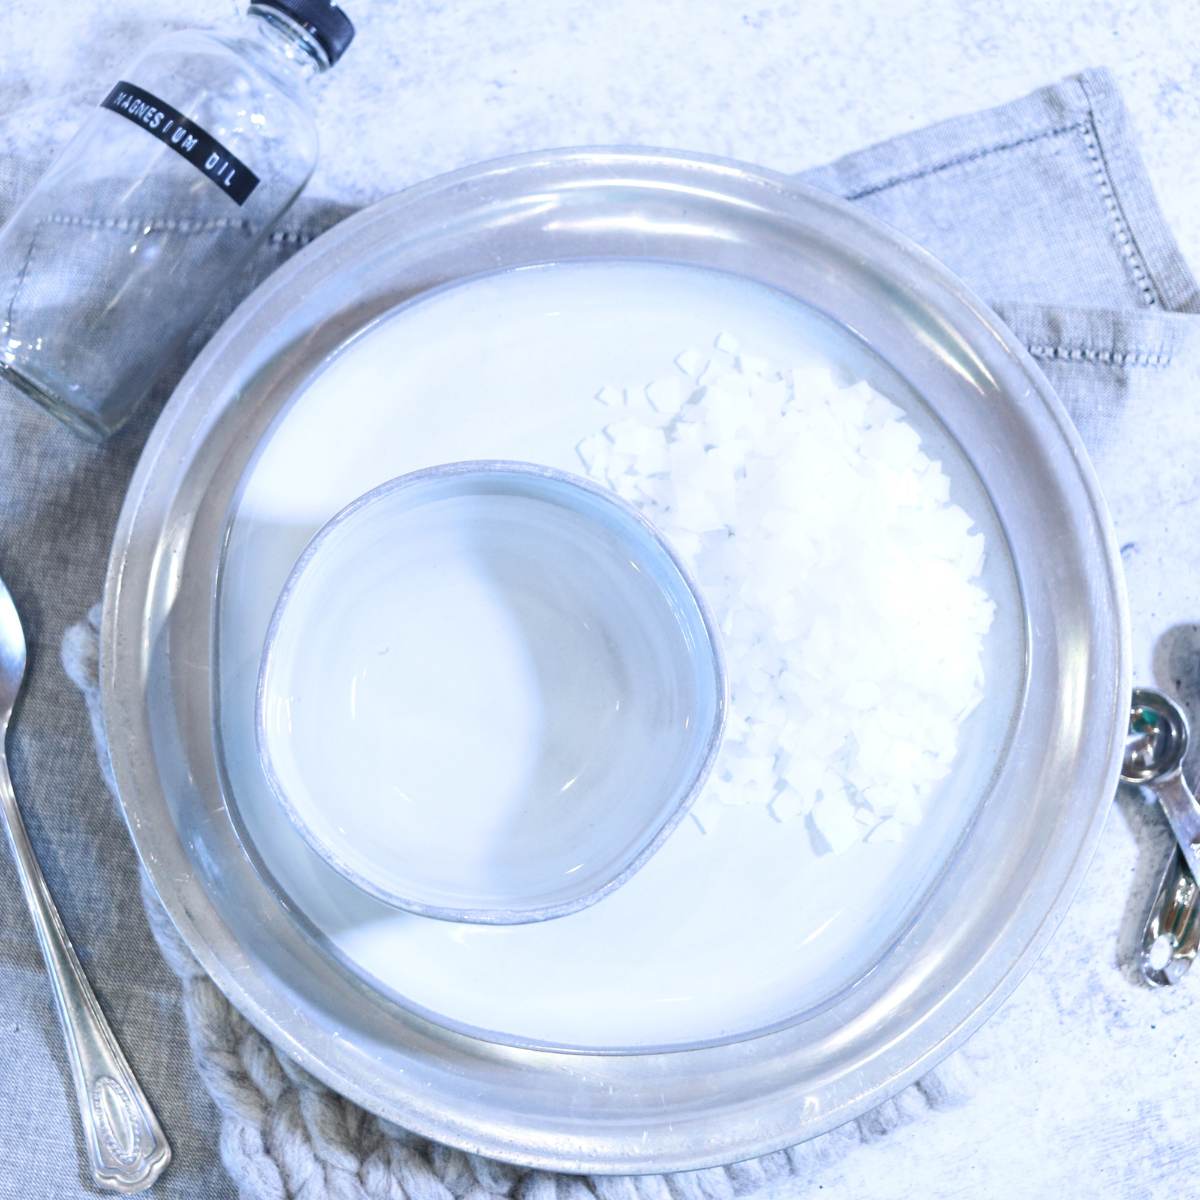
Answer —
988 914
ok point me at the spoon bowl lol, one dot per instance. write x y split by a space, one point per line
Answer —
1157 742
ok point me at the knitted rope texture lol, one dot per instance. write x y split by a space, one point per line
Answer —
285 1136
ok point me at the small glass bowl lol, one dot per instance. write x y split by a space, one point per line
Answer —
489 692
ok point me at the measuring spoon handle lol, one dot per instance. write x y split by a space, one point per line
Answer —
1172 935
1183 815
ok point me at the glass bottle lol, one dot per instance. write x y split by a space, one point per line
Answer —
152 209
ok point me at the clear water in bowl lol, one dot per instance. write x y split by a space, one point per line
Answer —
719 934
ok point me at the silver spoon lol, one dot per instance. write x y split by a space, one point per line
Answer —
1155 748
126 1148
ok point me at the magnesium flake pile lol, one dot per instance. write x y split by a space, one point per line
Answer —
845 582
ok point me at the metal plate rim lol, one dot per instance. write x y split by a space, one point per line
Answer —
185 904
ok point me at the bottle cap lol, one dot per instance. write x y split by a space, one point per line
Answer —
322 19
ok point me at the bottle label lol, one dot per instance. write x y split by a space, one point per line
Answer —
185 137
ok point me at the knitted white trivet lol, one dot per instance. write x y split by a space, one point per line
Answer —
285 1136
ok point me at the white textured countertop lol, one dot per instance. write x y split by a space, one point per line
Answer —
1084 1077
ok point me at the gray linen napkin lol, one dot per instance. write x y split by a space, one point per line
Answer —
1042 205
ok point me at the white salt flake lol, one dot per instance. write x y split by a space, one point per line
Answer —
588 452
636 438
666 395
627 488
886 832
612 397
687 545
836 824
846 584
790 804
619 463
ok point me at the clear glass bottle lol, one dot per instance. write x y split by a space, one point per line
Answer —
153 207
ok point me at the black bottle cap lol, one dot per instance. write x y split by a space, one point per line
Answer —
323 19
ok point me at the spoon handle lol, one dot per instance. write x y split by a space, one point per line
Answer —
126 1148
1173 927
1183 815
